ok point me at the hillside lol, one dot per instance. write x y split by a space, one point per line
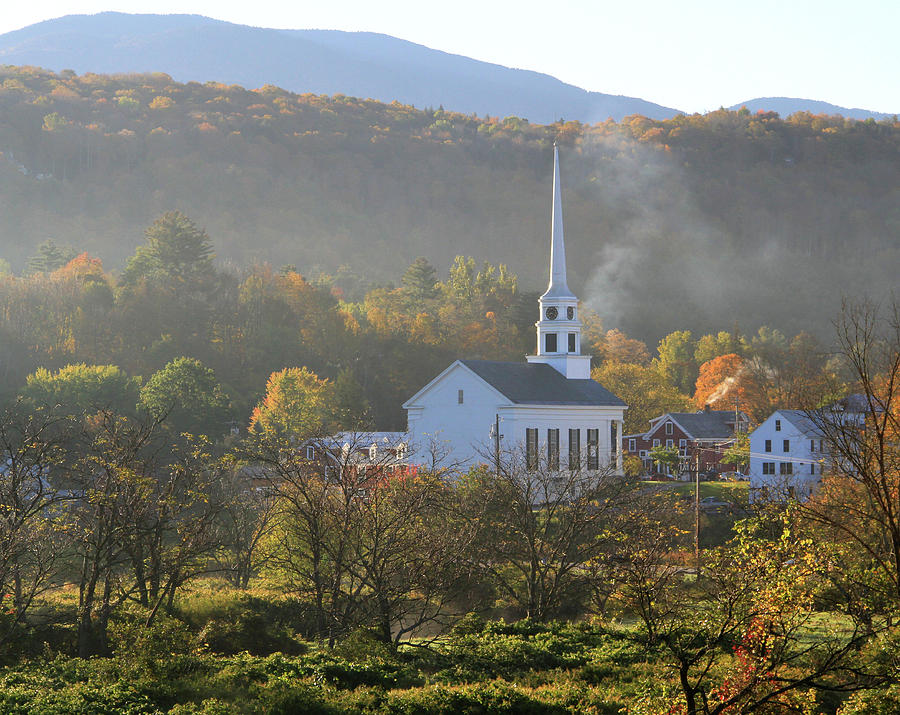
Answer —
360 64
692 222
785 106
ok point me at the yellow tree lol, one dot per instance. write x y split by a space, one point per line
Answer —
616 346
297 404
647 393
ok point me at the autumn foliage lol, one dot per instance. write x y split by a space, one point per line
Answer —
725 381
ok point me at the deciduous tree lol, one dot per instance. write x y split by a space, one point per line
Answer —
188 395
647 393
297 403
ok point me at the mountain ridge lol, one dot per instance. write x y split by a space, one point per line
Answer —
362 64
785 106
192 48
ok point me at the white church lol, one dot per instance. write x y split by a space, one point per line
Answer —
547 408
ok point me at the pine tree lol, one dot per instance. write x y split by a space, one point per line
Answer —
420 280
177 250
49 257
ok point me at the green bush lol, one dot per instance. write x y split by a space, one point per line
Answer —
884 701
64 687
248 623
507 649
210 706
291 699
492 698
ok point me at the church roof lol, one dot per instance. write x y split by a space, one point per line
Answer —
539 384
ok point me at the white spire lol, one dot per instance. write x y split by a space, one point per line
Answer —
558 287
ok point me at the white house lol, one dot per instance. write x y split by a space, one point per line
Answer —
548 407
787 456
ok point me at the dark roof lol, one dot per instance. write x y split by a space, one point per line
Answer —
801 420
539 384
706 424
855 402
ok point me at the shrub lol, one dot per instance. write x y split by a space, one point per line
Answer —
884 701
248 623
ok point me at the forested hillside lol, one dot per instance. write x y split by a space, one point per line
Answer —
694 222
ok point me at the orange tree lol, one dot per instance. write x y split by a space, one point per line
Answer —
726 380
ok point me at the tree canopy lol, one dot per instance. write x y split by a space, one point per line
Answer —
187 393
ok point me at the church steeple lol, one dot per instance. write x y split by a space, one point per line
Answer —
558 287
558 327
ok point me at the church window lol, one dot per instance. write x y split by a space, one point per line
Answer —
459 397
531 449
550 342
575 449
571 342
570 313
551 313
593 449
553 449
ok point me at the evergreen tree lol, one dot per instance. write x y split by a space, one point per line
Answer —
177 251
420 280
50 257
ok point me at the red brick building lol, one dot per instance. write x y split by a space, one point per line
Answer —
706 434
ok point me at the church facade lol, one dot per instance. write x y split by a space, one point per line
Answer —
547 408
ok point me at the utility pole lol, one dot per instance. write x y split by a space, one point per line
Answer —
697 509
495 433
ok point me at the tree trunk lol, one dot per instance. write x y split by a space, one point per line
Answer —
690 695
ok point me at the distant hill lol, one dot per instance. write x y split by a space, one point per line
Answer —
694 222
785 106
358 64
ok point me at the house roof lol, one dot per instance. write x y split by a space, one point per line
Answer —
855 402
800 419
540 384
705 424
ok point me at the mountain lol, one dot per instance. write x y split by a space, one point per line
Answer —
358 64
786 106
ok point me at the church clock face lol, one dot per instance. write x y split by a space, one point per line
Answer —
551 313
570 313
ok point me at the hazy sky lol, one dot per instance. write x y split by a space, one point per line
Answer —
695 55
